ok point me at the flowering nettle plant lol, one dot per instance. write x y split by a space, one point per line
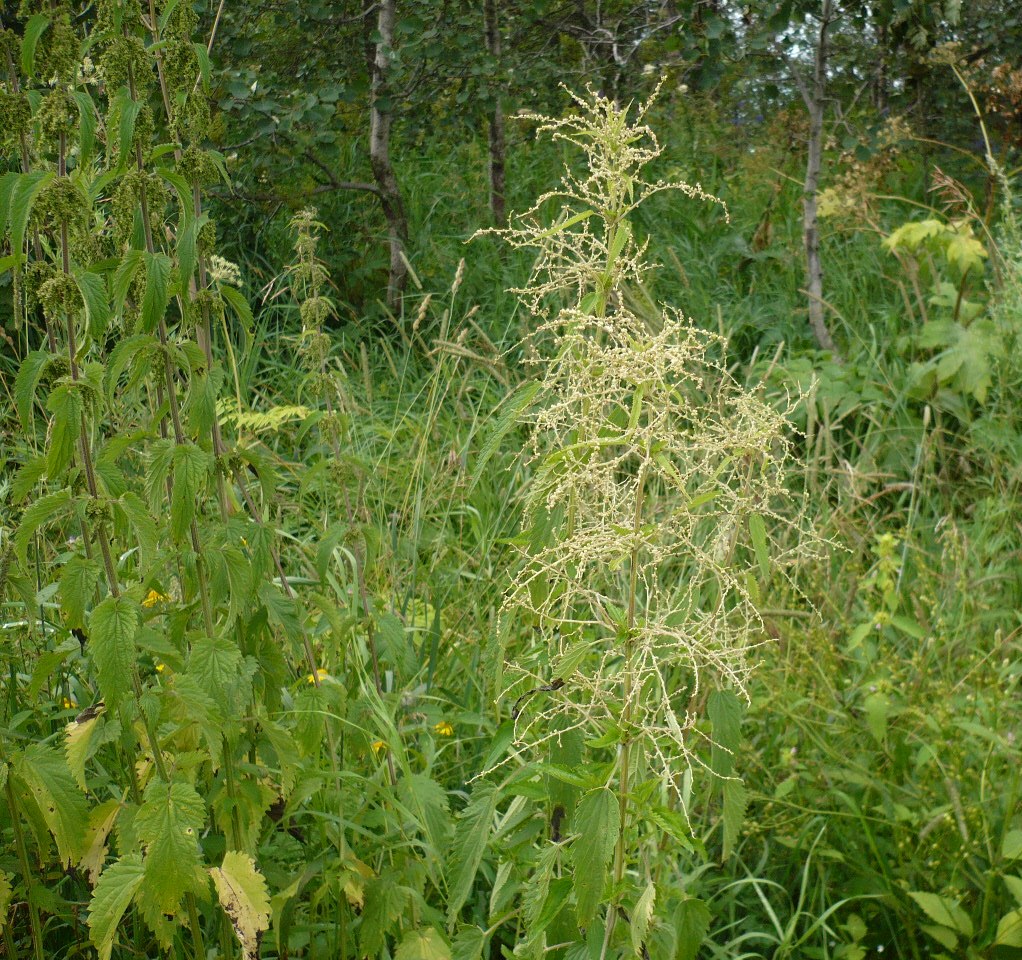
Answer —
654 512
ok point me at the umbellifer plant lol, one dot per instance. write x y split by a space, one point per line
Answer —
657 517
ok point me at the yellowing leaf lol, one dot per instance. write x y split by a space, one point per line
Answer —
5 897
113 893
242 892
424 944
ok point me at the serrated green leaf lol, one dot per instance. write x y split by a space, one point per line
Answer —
26 383
86 126
241 889
94 295
143 527
757 530
945 937
112 629
471 836
124 276
945 911
34 29
65 403
27 478
725 713
424 944
641 917
385 902
468 943
514 406
112 896
691 921
214 662
36 514
191 471
428 800
78 582
734 813
23 197
168 825
1011 845
595 824
237 301
157 290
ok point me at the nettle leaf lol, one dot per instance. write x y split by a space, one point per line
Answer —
62 805
94 295
470 839
77 587
124 275
161 454
86 127
428 800
468 943
26 383
596 824
138 352
78 740
34 29
641 917
691 921
134 512
944 911
201 404
725 712
101 822
237 301
168 825
241 889
734 813
191 471
44 509
157 290
112 896
23 197
65 403
425 944
26 479
385 903
112 629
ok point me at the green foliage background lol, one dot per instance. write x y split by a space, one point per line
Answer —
256 526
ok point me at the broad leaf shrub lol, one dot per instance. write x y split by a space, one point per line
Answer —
155 594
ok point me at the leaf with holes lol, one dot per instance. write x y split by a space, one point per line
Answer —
241 889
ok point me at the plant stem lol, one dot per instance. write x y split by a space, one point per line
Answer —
27 873
627 693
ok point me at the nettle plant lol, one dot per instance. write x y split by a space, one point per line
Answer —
153 591
657 518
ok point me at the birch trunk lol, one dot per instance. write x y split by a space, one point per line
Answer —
814 95
497 147
379 150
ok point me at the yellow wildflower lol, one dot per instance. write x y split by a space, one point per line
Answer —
160 667
379 746
444 729
154 597
69 702
321 674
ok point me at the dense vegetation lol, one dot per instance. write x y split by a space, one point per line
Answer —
640 578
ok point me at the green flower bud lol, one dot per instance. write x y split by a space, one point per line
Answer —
60 295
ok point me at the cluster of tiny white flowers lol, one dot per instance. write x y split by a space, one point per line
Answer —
652 459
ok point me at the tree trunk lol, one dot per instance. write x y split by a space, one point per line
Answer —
497 148
379 148
814 95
